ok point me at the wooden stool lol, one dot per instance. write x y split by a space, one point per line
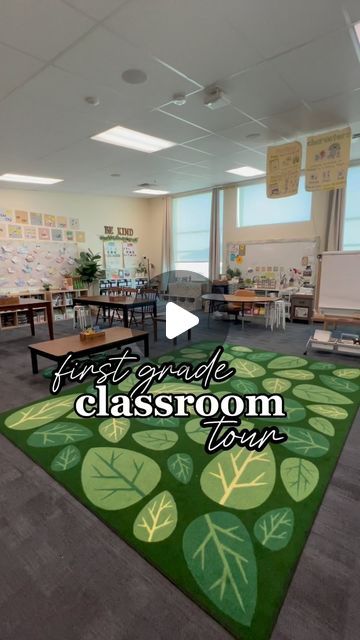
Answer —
163 319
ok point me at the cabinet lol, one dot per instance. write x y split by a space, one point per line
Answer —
302 307
62 306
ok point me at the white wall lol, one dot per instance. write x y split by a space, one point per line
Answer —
93 212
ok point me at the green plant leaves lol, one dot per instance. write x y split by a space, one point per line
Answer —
181 466
240 479
300 477
246 369
114 429
287 362
58 433
276 385
240 349
294 410
114 478
191 354
196 432
315 393
40 413
262 356
340 384
166 423
323 425
275 528
157 520
348 374
220 556
295 374
305 442
329 411
322 366
244 387
156 439
66 459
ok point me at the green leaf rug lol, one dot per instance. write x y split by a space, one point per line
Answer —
228 528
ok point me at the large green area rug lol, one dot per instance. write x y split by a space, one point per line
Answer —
228 528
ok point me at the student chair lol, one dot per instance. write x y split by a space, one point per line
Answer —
147 312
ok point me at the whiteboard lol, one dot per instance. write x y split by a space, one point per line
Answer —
339 282
279 258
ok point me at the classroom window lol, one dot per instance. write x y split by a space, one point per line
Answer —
351 239
254 208
191 231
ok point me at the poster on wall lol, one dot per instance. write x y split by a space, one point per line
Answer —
30 233
61 222
36 218
327 160
283 166
130 256
74 223
49 220
6 215
69 235
14 231
21 217
113 256
43 233
57 235
80 236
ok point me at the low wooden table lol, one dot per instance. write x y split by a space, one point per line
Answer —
125 303
28 305
59 348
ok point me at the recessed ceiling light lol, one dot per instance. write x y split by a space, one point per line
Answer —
92 100
130 139
252 136
115 175
14 177
134 76
179 99
151 192
247 172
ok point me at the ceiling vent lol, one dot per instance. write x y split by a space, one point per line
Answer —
215 98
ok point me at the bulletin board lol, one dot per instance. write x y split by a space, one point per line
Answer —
120 255
277 261
26 265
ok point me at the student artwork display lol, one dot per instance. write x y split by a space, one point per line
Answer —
31 264
283 166
327 160
6 215
21 217
38 226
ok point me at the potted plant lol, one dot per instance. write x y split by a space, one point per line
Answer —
88 266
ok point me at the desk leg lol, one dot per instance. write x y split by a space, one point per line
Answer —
242 315
126 318
31 320
189 334
155 309
155 329
50 320
34 362
146 346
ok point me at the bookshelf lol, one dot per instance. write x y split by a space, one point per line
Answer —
62 307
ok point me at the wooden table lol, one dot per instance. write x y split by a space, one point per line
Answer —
125 303
59 348
217 299
28 305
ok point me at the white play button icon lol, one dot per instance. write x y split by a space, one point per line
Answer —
178 320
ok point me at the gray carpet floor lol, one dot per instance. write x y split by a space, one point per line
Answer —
65 576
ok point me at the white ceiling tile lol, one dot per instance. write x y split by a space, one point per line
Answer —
213 119
97 9
162 125
353 9
323 68
42 28
344 108
184 154
301 121
264 135
215 145
103 56
275 26
260 91
194 37
15 69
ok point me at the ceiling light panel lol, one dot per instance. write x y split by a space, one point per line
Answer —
122 137
151 192
246 172
14 177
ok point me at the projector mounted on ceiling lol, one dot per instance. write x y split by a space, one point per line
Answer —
215 98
